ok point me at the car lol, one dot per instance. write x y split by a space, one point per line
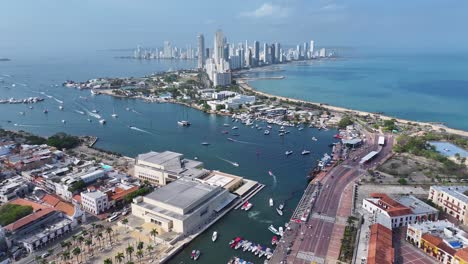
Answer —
45 255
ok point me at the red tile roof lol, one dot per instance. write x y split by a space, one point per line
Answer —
436 241
51 200
36 206
29 219
58 204
392 207
380 249
120 193
462 254
77 198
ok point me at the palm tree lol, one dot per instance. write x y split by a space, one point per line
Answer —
129 251
88 243
153 233
125 222
119 257
65 255
74 239
108 261
139 254
80 239
140 245
99 236
76 251
149 248
109 233
130 262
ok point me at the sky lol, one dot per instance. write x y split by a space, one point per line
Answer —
45 26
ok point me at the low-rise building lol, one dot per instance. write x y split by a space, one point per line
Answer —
380 249
183 206
13 188
160 168
94 201
401 211
452 199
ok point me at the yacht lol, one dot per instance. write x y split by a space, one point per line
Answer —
114 115
214 236
94 111
305 152
234 127
271 202
183 123
279 211
273 229
102 121
267 132
289 152
314 139
205 143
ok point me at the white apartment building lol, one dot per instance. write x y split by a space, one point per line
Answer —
452 199
95 202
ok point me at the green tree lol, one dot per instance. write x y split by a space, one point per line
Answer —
9 213
149 248
345 121
402 181
76 252
129 251
154 233
119 257
139 254
108 261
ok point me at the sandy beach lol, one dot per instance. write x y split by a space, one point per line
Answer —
245 85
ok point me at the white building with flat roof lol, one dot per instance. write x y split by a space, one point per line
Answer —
452 199
159 168
95 202
182 206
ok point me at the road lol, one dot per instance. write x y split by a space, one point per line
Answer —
310 241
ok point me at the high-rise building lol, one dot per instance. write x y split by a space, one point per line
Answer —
322 53
218 47
256 52
273 53
248 58
305 50
167 50
201 51
277 52
298 52
311 48
265 53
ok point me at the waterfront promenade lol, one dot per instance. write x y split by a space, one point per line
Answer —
319 238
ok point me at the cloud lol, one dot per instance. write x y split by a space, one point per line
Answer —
268 10
331 7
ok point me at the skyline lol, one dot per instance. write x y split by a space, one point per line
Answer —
88 26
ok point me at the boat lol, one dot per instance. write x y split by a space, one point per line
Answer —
273 229
279 211
300 129
89 120
183 123
289 152
197 255
262 252
127 108
281 134
281 206
31 107
214 236
63 121
267 132
238 245
46 111
192 255
269 127
94 111
205 143
234 127
114 115
21 113
270 173
102 121
246 206
230 139
61 107
225 132
235 164
274 240
226 125
271 202
234 242
338 136
305 152
314 139
281 231
246 246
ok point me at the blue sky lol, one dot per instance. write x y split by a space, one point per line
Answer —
44 26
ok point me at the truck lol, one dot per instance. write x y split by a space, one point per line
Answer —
381 140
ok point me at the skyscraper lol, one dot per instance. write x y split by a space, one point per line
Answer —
272 54
201 51
305 50
218 47
277 52
167 50
256 53
311 48
265 53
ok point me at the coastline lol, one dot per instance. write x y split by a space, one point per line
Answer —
243 83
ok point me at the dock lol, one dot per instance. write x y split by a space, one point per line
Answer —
93 141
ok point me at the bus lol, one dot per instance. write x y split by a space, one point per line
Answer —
113 218
381 140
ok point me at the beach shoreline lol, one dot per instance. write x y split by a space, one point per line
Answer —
243 83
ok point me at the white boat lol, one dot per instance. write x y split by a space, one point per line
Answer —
271 202
281 206
205 143
305 152
214 236
94 111
289 152
115 115
102 121
267 132
300 129
61 107
21 113
235 164
314 139
281 134
234 127
280 231
279 211
226 125
89 120
63 121
273 229
197 255
30 107
183 123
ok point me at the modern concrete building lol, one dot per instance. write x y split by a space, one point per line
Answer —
201 51
94 201
400 211
183 206
160 168
452 199
12 188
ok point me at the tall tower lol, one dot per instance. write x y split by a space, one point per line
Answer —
277 52
265 53
311 48
201 51
218 47
256 52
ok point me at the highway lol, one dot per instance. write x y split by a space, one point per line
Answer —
310 241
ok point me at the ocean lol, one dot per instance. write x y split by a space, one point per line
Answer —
155 128
432 88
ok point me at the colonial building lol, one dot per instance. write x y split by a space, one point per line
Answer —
452 199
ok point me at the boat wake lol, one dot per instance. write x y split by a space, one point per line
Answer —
80 112
57 100
255 215
243 142
231 162
274 178
46 95
136 112
25 125
140 130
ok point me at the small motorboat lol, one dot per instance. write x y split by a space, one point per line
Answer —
226 124
289 152
271 202
94 111
183 123
235 164
225 132
246 206
205 143
281 206
114 115
267 132
214 236
61 107
305 152
274 240
279 211
46 111
102 121
234 128
64 121
314 139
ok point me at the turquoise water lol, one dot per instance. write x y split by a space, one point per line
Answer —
157 130
417 87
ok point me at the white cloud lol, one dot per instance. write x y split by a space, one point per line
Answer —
268 10
331 7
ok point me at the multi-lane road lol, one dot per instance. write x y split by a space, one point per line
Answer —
310 241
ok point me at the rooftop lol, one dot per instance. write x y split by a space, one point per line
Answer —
29 219
380 250
182 193
455 191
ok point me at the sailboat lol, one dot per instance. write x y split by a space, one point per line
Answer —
114 115
184 123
